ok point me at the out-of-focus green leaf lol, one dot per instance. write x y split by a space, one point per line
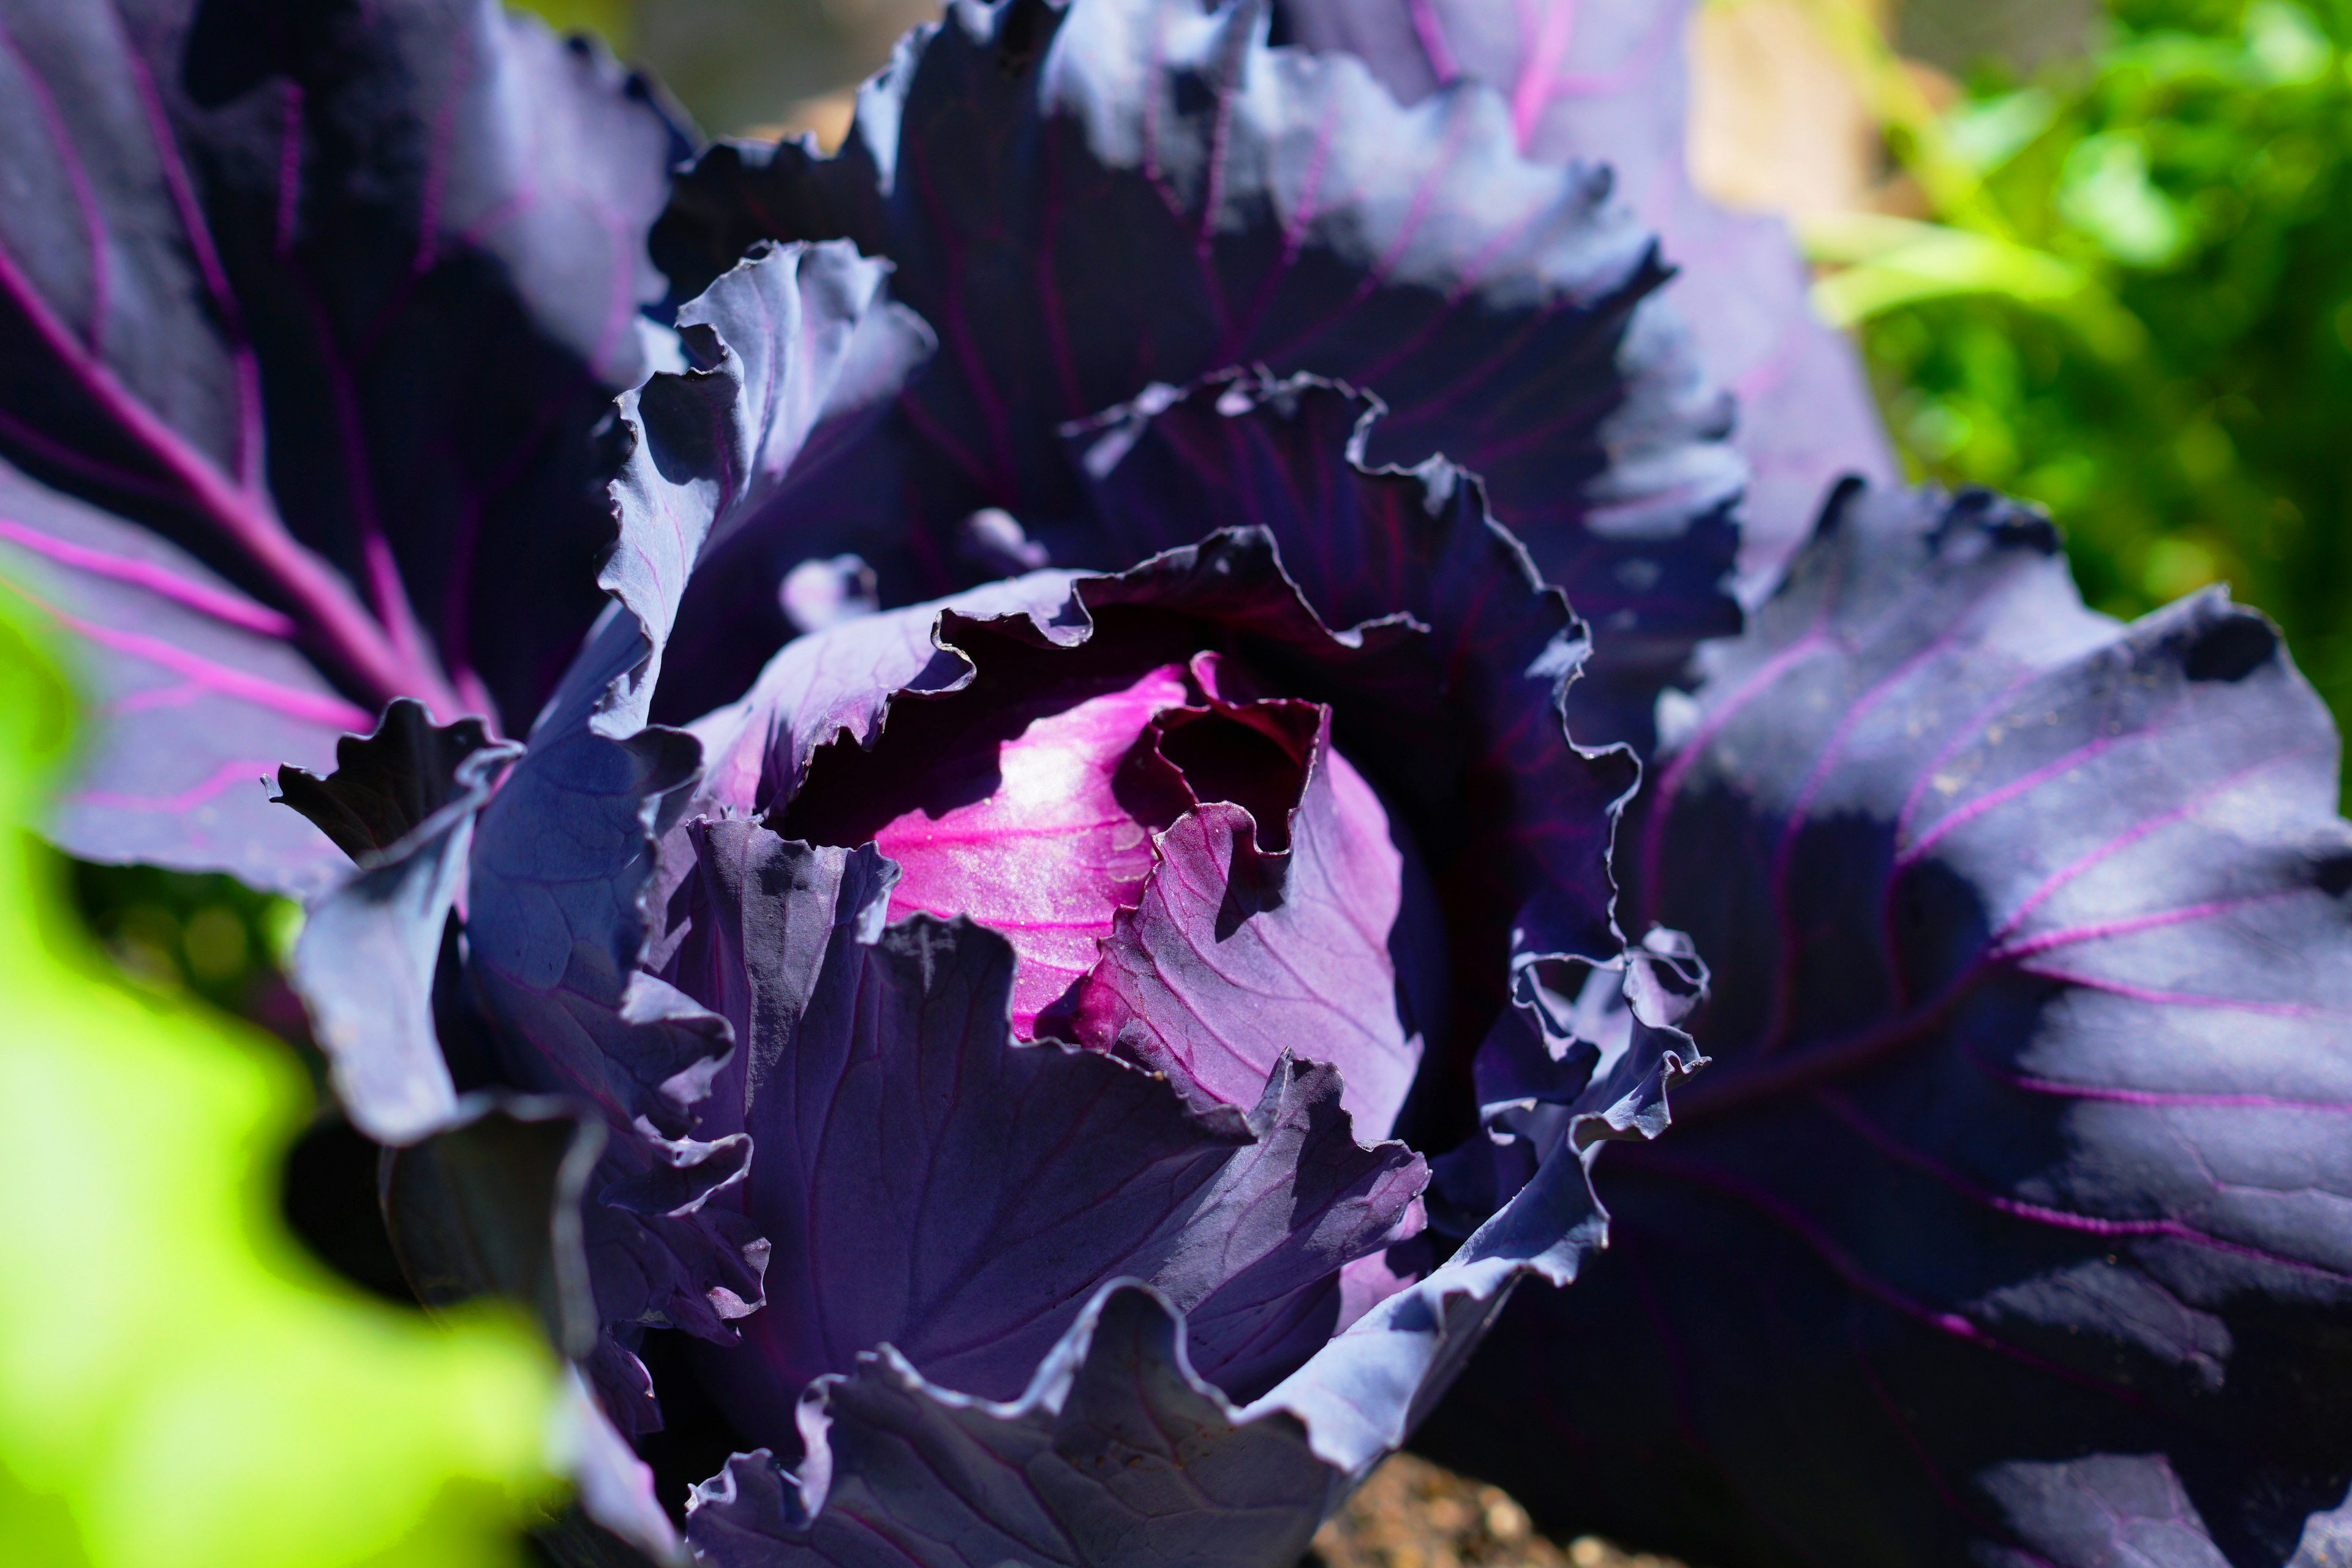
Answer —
1990 132
1897 261
2107 195
609 20
181 1386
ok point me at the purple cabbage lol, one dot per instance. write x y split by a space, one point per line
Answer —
307 312
913 1194
924 1198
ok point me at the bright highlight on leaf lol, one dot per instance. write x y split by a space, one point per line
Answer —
180 1385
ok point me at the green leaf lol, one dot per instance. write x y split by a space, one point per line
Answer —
1891 262
181 1384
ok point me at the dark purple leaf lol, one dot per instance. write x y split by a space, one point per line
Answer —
401 801
2014 1222
490 1205
1604 81
560 873
562 856
388 782
1288 456
321 302
1116 1454
1614 1066
1086 201
561 860
795 347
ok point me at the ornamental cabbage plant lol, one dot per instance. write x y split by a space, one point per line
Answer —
1105 888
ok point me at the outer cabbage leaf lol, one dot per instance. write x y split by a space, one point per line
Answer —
313 307
561 864
558 862
401 802
1604 80
1086 200
181 1386
1119 1452
2015 1224
1190 1485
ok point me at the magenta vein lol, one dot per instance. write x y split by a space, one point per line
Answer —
2027 948
1432 34
1532 93
78 176
311 707
2185 998
2142 830
247 367
219 780
2177 1099
1877 1137
1854 1274
243 515
1961 816
232 608
64 456
1679 767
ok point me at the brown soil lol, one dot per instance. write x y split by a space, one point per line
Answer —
1412 1514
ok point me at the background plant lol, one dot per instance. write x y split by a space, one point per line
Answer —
2121 286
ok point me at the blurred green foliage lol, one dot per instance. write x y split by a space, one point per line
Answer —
2131 300
743 67
206 936
182 1385
608 19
